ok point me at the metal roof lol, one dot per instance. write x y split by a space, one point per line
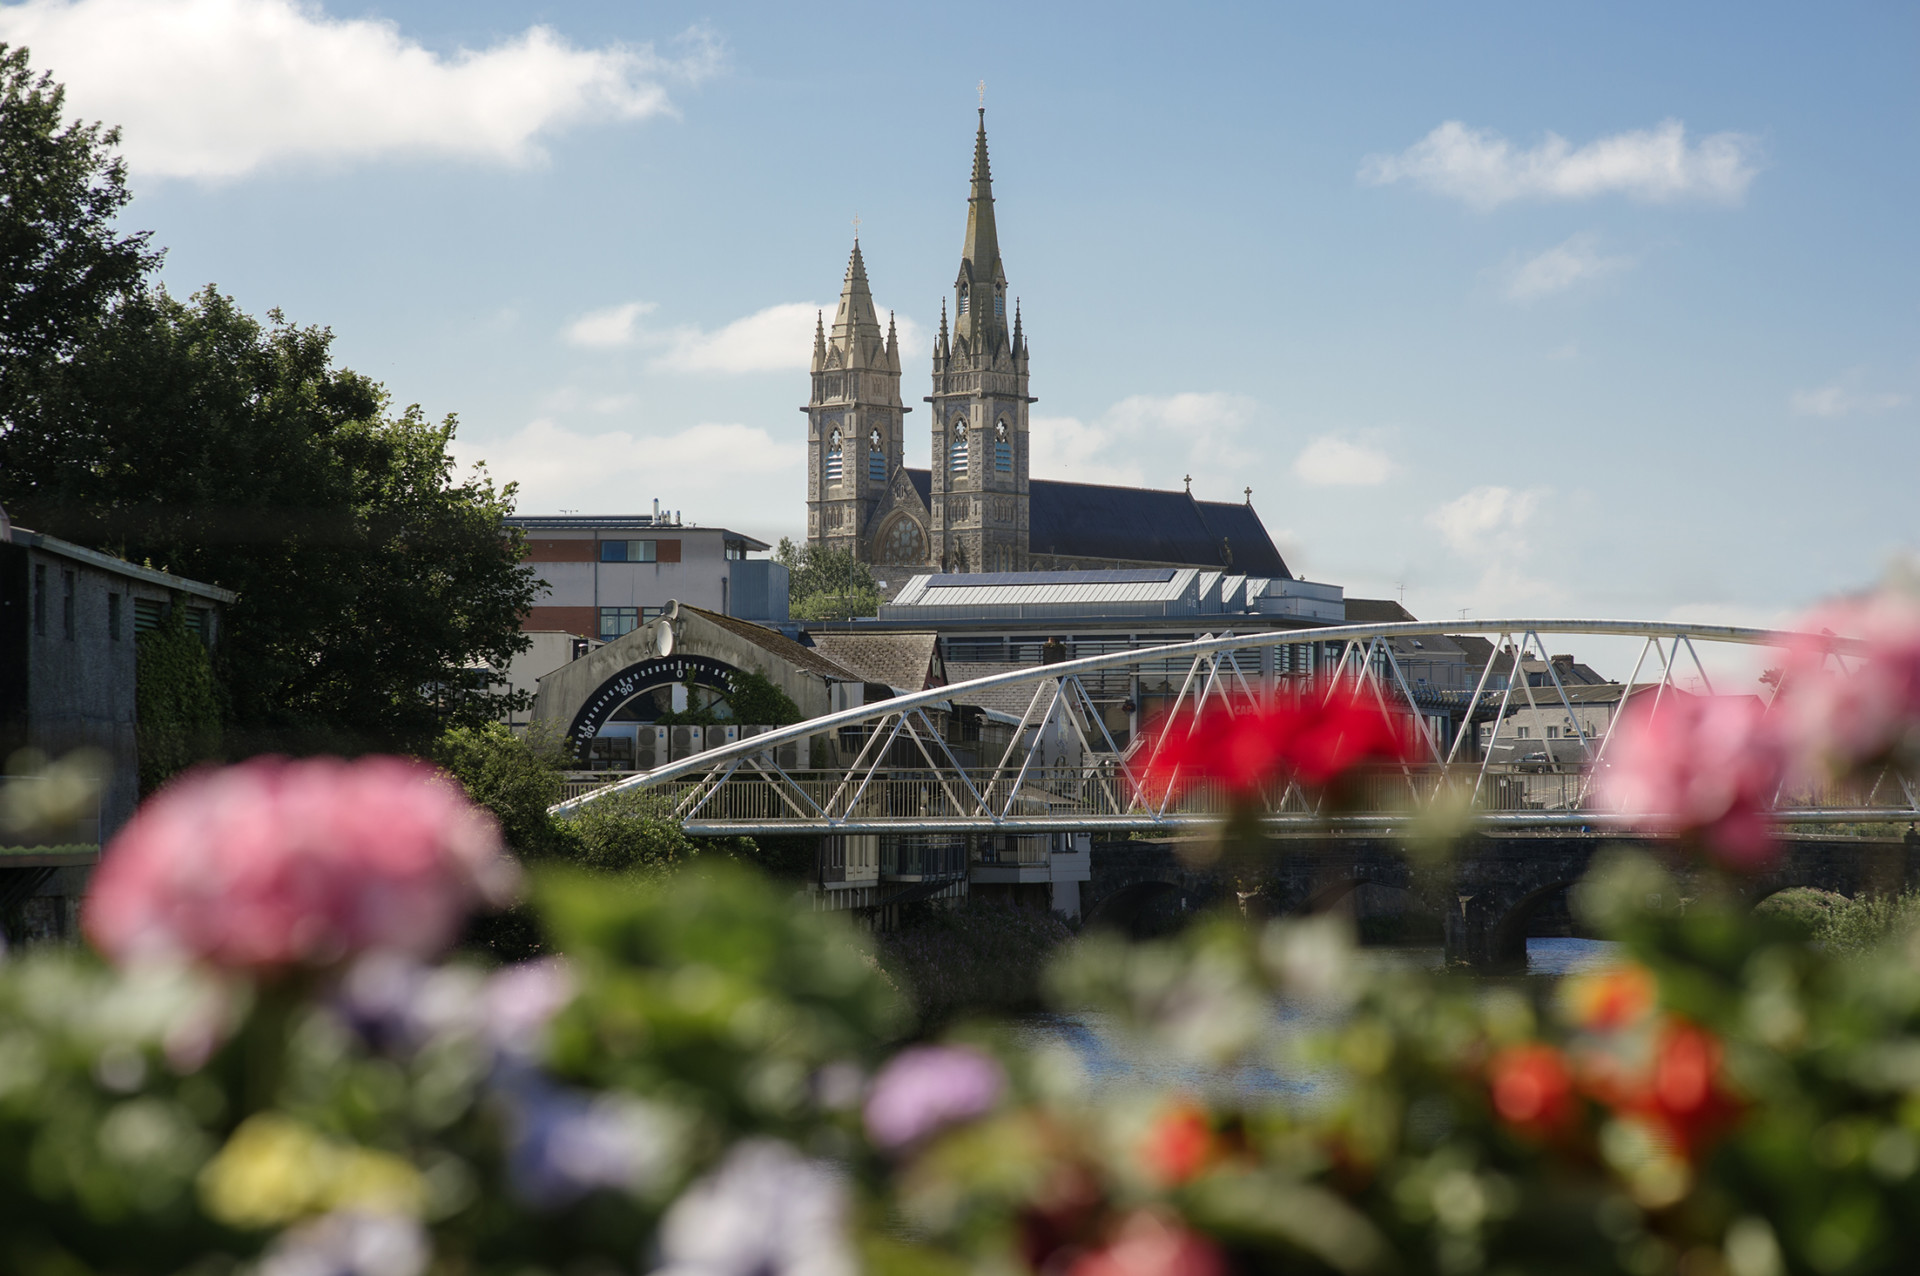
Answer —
623 523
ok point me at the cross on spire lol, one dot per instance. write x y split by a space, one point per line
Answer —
1189 481
983 95
856 228
1249 496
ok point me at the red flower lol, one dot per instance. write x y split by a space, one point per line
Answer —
1249 744
1532 1088
1147 1245
1179 1144
1683 1096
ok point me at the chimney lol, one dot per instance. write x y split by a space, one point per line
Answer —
1563 662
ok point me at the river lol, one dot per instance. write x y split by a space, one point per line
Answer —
1089 1044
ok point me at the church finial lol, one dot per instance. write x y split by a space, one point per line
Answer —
1249 498
1189 485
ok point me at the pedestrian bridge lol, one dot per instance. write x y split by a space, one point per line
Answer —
931 763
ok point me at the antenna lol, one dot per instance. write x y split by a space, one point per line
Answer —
983 95
1402 587
856 228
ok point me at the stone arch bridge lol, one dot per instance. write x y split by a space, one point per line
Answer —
1487 895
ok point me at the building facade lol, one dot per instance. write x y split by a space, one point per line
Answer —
977 508
608 575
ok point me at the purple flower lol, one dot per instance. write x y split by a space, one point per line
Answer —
927 1087
565 1143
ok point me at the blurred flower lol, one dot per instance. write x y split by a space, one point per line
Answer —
564 1143
1845 720
522 1000
1684 1096
1147 1245
350 1243
1704 767
924 1088
277 863
274 1170
1604 1000
1179 1144
1249 744
766 1211
1533 1088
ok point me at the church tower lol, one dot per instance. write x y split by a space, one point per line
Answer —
979 481
855 422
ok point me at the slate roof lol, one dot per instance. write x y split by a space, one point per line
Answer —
1376 611
905 662
1140 524
1012 700
778 644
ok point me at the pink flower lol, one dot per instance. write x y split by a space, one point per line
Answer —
1704 767
277 863
1848 720
925 1088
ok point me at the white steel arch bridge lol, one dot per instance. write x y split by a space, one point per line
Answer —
899 766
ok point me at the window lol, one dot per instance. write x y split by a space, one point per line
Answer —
1553 733
40 599
1002 448
876 458
1000 306
651 613
1522 732
147 615
200 624
833 457
615 621
66 605
629 551
959 450
113 617
963 301
736 550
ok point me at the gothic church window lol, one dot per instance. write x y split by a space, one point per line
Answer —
999 306
876 458
963 301
1002 448
903 542
958 465
833 457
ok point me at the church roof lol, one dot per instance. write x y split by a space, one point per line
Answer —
1142 524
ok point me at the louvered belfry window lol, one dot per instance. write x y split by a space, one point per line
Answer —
958 465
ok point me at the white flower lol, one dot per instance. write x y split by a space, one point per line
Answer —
349 1243
767 1211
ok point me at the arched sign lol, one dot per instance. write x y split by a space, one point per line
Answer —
661 671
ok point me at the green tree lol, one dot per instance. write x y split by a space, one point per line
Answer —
64 267
517 777
826 584
373 580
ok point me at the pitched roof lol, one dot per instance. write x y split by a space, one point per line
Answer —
905 662
778 644
1376 611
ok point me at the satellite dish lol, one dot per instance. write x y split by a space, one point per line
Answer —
663 639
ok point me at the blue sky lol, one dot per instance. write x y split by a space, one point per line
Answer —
1552 310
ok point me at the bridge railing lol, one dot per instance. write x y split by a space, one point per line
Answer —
741 788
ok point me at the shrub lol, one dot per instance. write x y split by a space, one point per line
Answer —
176 701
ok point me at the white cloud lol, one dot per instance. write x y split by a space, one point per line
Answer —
1151 440
722 471
219 88
776 339
609 328
1838 400
1485 520
1482 168
1560 268
1334 462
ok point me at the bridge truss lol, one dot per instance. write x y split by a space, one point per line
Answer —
891 768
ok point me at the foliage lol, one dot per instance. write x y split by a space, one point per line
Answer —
370 576
635 832
754 700
825 583
517 777
176 701
982 956
64 267
1868 922
1804 908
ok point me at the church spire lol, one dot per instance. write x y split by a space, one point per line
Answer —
856 325
980 289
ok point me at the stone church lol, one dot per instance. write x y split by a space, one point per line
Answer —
977 510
